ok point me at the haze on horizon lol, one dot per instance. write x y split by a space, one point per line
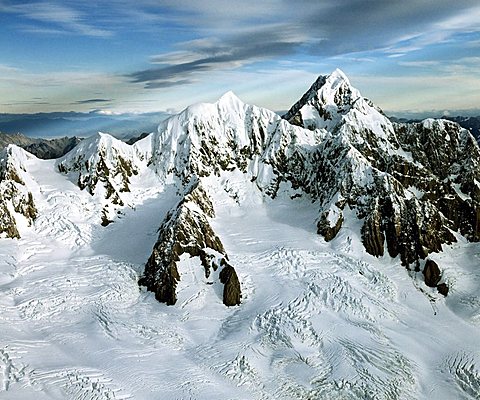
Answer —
115 56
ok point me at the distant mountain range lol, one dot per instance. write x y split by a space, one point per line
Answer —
59 124
51 135
42 148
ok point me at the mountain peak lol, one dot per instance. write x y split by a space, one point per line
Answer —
338 74
335 81
229 99
328 82
322 106
228 96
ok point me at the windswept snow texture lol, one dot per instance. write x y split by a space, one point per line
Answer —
318 320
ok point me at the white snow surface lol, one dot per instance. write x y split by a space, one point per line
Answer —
317 319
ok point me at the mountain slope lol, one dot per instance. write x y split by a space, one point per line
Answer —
409 199
104 167
207 139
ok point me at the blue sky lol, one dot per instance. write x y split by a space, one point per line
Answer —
420 56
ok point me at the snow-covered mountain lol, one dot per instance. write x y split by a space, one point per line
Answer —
103 166
412 185
16 200
298 224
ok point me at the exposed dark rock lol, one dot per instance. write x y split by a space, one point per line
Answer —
105 220
443 289
293 115
432 273
324 228
7 222
372 232
185 229
165 285
137 138
231 290
413 229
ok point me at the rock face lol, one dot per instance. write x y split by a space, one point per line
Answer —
443 289
433 275
16 201
186 229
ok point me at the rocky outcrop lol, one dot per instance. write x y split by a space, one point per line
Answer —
410 228
432 273
16 201
443 289
186 230
8 225
433 276
231 291
328 228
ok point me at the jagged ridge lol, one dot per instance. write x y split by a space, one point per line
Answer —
411 185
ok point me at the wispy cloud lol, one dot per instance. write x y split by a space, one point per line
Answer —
181 67
419 64
91 101
233 37
205 47
60 19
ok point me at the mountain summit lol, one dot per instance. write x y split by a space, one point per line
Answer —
322 105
